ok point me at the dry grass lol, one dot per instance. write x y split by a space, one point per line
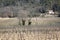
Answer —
18 34
31 35
8 21
35 21
45 21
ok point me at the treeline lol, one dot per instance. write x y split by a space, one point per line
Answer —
33 6
45 3
41 2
